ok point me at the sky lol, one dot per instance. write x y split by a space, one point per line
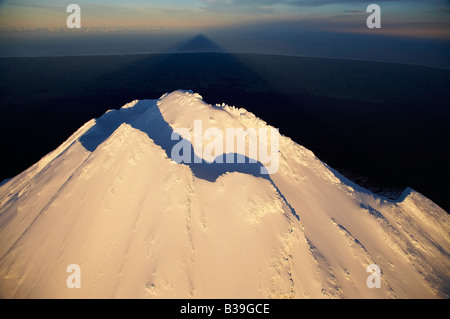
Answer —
298 27
424 18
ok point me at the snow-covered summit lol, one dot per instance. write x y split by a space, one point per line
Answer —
113 200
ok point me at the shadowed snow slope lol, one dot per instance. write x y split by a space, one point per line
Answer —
113 201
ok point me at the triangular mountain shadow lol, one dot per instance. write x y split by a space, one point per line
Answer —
198 44
211 71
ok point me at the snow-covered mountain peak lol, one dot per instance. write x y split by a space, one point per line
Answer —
114 200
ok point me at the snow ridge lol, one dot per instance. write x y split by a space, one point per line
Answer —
112 200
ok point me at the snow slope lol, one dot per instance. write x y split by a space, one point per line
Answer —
111 200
